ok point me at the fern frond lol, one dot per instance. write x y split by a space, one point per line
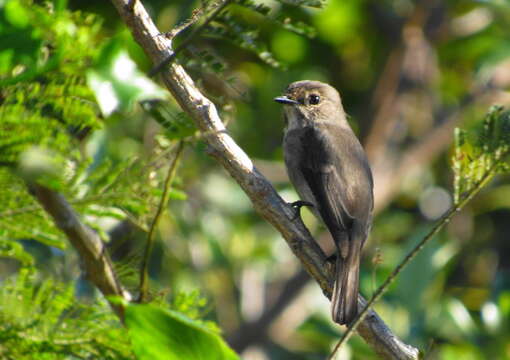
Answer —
45 318
228 28
309 3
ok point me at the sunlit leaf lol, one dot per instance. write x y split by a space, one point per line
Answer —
159 334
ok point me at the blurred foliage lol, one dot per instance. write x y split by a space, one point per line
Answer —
78 114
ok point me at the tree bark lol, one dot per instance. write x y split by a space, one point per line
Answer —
95 259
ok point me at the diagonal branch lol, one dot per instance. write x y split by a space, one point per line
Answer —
265 199
92 251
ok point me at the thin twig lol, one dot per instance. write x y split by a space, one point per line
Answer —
195 16
382 289
144 272
155 70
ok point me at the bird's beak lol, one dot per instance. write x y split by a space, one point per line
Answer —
285 100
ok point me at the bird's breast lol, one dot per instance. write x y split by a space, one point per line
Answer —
293 151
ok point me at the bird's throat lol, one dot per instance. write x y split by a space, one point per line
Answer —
295 119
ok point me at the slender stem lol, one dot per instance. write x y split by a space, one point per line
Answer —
382 289
155 70
144 271
195 16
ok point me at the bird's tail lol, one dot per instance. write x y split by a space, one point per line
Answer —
344 302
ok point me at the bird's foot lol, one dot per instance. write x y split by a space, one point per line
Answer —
332 258
297 205
330 262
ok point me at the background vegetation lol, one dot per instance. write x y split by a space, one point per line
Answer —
79 115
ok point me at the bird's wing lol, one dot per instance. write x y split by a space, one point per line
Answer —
324 176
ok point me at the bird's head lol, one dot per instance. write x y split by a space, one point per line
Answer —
309 101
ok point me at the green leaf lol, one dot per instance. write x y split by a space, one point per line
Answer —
162 334
117 83
14 250
289 47
310 3
42 319
41 165
339 21
243 35
177 124
16 14
178 194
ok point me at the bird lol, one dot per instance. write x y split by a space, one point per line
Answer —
330 171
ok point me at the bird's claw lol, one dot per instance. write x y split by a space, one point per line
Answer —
330 262
297 205
331 259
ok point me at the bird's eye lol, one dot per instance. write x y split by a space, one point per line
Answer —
314 99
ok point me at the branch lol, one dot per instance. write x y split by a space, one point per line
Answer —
95 259
265 199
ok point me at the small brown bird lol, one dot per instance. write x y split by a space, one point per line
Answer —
329 169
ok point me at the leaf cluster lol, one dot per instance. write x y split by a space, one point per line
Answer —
483 153
46 109
43 320
49 115
43 91
246 24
